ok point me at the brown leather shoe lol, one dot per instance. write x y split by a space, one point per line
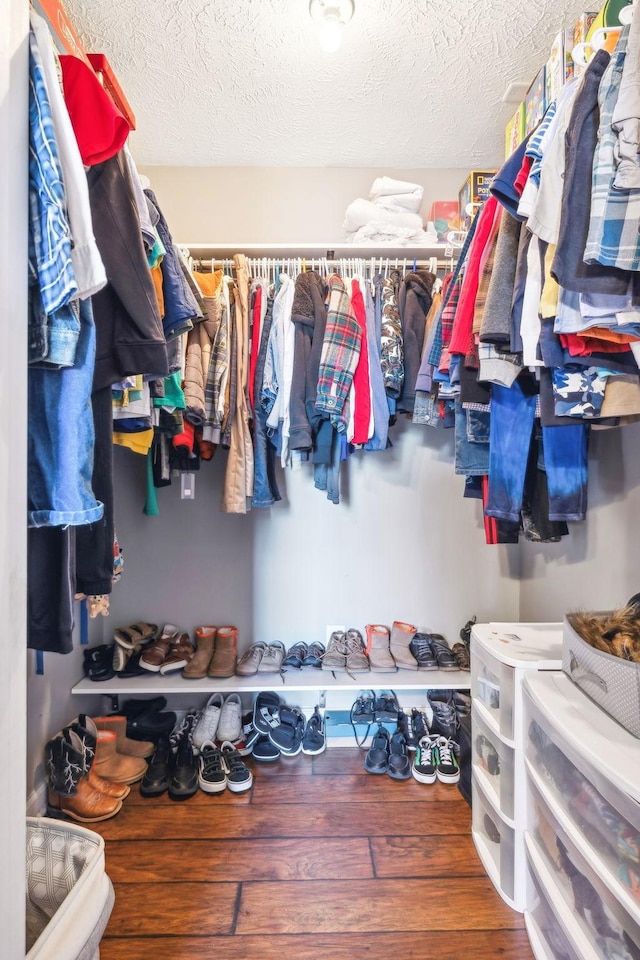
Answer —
124 744
223 663
113 765
198 666
179 655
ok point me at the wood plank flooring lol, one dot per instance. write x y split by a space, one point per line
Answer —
319 861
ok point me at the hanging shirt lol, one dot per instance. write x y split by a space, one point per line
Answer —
361 407
340 352
87 262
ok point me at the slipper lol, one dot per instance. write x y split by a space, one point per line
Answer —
377 758
265 711
130 637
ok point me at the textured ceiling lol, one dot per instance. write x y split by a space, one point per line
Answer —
416 83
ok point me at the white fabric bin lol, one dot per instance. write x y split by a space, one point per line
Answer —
69 895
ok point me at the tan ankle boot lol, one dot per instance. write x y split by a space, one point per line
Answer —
378 649
223 663
401 636
113 765
198 666
124 744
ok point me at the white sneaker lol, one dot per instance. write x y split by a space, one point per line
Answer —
207 726
230 725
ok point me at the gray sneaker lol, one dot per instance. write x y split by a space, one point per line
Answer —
336 656
272 658
354 648
249 662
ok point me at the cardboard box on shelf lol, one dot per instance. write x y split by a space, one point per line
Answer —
514 132
475 189
536 101
559 65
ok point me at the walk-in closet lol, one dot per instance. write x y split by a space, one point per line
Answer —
322 378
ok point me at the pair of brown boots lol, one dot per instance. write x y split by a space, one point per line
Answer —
216 653
389 650
90 765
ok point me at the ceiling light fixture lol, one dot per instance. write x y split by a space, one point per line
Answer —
332 15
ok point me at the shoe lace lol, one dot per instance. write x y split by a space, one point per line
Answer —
421 648
445 751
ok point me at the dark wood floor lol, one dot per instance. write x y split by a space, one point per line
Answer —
319 861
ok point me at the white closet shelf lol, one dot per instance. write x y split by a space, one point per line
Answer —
318 249
306 680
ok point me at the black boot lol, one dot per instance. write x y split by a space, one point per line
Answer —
98 662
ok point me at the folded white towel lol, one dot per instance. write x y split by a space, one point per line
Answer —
387 186
361 212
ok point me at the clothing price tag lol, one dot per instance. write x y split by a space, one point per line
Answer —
187 486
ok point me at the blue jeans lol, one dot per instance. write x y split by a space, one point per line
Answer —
265 484
61 437
565 453
472 443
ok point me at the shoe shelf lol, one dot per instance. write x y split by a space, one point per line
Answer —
175 683
502 655
583 788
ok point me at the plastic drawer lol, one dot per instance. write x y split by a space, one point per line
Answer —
607 819
602 918
492 683
493 762
494 840
548 939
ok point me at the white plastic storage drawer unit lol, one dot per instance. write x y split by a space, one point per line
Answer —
547 938
492 760
501 655
493 838
583 779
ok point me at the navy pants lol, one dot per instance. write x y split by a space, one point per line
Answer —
565 455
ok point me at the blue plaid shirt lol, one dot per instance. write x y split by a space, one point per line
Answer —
50 235
613 237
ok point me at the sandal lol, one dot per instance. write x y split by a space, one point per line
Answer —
137 633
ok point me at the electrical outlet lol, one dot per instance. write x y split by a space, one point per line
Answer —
332 629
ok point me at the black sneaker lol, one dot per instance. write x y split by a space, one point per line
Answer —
296 655
399 767
156 779
404 727
424 762
287 735
264 751
422 650
363 708
447 769
239 777
183 781
315 653
442 650
386 706
212 775
419 728
314 740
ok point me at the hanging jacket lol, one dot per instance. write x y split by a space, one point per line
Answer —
391 349
130 338
199 346
309 315
414 303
